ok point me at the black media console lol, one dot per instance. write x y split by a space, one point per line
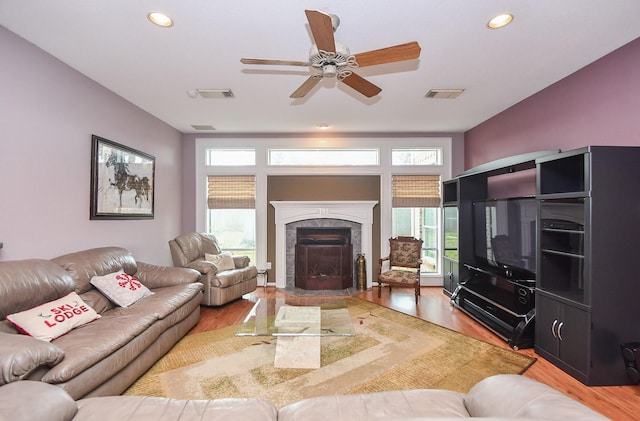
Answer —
491 274
505 306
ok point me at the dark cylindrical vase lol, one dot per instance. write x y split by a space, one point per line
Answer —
361 272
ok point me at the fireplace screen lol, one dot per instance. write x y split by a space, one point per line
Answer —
324 258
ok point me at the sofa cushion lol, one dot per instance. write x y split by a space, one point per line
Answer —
121 288
393 404
163 409
162 303
84 265
209 243
86 346
97 301
222 261
228 278
20 355
30 283
55 318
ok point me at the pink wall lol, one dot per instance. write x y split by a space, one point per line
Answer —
48 112
597 105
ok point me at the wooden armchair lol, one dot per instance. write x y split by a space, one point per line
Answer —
405 258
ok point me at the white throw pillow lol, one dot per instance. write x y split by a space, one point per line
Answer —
223 261
121 288
55 318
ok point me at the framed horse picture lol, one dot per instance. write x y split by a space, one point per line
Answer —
122 181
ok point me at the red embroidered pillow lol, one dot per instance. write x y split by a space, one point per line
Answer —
55 318
121 288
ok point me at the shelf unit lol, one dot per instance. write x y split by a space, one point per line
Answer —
494 299
451 236
588 293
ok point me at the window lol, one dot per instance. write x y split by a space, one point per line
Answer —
415 156
415 212
231 214
324 157
231 157
264 157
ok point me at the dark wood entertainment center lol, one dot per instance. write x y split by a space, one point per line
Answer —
584 301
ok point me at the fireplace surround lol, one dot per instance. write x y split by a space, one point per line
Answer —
286 212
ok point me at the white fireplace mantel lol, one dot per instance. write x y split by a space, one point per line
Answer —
360 211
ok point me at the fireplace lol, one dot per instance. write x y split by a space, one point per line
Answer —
323 258
356 214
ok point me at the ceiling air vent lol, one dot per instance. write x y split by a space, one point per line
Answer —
215 93
444 93
204 127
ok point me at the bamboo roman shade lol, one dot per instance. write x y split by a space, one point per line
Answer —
415 191
231 192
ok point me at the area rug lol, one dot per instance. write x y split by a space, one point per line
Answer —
391 350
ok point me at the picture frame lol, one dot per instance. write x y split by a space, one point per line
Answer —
122 181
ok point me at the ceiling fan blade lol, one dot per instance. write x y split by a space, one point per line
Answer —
408 51
362 85
322 30
276 62
307 86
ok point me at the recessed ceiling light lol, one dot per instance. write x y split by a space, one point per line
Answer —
160 19
500 21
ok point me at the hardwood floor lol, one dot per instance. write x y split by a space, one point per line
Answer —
616 402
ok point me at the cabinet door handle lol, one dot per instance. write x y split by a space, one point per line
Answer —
553 328
450 275
559 330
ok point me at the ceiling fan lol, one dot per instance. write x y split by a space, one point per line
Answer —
330 58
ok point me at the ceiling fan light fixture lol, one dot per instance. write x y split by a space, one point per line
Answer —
500 21
340 57
323 126
160 19
329 70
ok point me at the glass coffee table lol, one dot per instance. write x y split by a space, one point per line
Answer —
298 325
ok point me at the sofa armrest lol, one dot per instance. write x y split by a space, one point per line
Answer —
20 355
516 396
203 267
153 276
32 400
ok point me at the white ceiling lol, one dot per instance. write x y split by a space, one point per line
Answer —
112 42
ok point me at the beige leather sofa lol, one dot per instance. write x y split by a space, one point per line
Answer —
501 397
220 287
107 355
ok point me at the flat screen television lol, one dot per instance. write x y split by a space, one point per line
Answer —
505 236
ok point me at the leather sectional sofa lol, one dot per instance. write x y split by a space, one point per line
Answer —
106 355
501 397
